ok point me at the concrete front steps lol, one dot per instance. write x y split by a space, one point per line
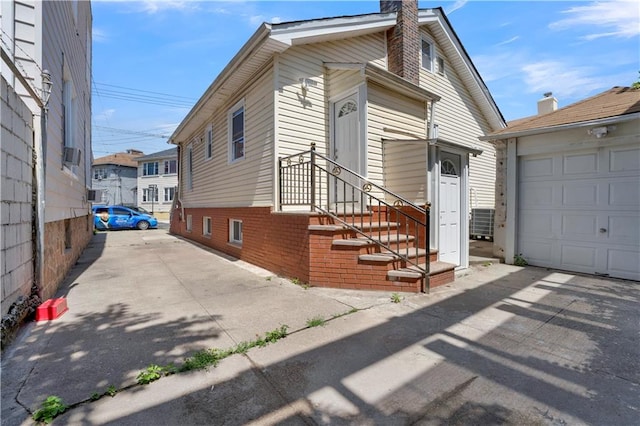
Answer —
342 258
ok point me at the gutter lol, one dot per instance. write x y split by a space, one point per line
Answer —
569 126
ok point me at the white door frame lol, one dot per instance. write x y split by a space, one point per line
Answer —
464 201
361 94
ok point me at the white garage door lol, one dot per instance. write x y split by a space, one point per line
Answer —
580 211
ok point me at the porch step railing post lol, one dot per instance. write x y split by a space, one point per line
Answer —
313 176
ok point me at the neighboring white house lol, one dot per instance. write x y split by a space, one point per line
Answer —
158 181
568 186
115 176
393 107
46 61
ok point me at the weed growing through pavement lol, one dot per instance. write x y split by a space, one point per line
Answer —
395 298
519 260
316 321
94 396
52 407
111 391
153 372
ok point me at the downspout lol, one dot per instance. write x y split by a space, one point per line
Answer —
430 134
40 164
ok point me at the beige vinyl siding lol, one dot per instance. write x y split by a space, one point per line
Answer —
246 182
404 164
460 121
340 82
304 119
65 43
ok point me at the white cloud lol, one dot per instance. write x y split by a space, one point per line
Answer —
564 80
99 35
615 18
105 115
511 40
457 5
256 20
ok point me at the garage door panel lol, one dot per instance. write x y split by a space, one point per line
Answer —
537 167
580 164
537 224
624 229
538 195
581 258
624 263
579 226
624 193
622 160
538 253
580 194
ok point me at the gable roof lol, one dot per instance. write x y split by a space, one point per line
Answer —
276 38
167 153
615 104
122 159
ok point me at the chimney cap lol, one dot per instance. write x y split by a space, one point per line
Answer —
547 94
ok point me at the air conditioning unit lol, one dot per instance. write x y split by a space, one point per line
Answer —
71 156
94 195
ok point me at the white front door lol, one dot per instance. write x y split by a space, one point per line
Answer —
449 208
346 145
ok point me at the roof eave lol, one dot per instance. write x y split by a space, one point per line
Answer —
568 126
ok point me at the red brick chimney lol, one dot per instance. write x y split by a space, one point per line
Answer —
403 40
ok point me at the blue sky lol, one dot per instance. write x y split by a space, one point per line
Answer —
144 51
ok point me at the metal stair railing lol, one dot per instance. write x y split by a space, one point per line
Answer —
314 180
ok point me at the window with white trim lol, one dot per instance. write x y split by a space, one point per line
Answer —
189 159
206 226
170 167
236 132
440 65
100 173
427 55
169 193
148 194
150 169
189 223
235 231
208 142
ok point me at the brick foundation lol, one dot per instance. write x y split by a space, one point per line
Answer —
282 243
58 259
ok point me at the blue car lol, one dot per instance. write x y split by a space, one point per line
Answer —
119 217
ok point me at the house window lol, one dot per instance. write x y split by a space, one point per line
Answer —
235 231
236 132
206 226
100 174
427 55
440 65
148 194
208 142
189 223
150 169
189 167
170 167
169 193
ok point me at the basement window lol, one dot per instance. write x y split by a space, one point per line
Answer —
206 226
235 231
189 223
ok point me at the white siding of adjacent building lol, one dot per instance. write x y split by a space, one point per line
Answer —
65 44
460 121
161 180
243 183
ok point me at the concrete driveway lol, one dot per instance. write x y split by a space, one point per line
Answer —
502 345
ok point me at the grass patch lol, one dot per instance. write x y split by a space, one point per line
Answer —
396 298
316 322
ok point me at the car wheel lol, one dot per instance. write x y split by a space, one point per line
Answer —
142 225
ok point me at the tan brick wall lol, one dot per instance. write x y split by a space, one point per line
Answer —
58 259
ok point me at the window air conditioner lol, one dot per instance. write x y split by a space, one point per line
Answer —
94 195
71 156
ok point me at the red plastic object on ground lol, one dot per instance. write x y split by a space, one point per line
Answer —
51 309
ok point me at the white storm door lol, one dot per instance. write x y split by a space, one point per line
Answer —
449 209
346 146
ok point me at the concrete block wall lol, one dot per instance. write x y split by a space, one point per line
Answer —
16 168
500 218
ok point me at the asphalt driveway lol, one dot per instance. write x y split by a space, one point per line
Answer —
502 345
